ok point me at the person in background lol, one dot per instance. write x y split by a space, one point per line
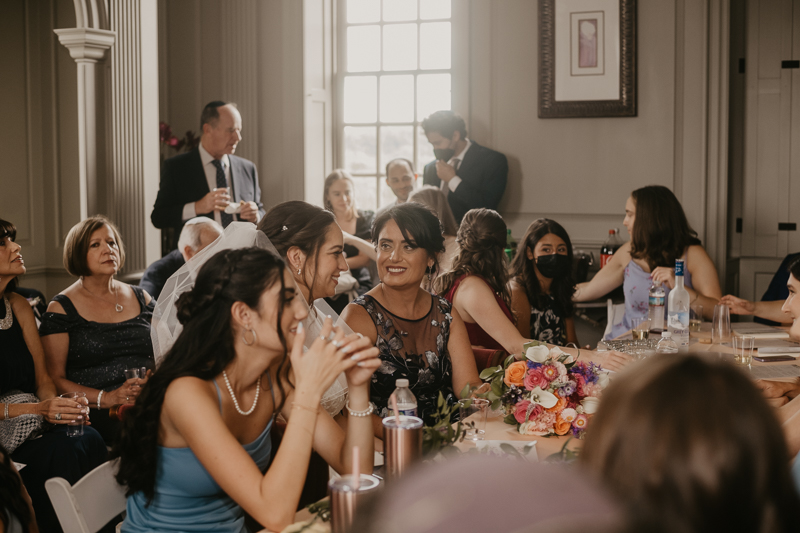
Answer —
400 178
712 458
420 337
477 285
660 234
435 199
29 405
239 363
207 179
542 284
16 509
339 199
98 327
470 175
196 234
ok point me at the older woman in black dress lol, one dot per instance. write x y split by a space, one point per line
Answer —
98 327
24 378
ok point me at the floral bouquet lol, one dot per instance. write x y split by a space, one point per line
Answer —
547 392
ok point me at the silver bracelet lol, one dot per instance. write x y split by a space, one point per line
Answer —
366 412
5 412
98 399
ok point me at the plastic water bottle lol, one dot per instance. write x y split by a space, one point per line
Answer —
655 310
666 344
406 401
678 315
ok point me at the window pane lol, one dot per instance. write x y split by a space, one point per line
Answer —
424 151
396 141
397 10
359 148
434 45
434 9
397 98
361 99
433 94
400 47
363 48
363 11
366 193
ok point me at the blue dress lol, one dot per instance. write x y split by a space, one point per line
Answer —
186 496
636 286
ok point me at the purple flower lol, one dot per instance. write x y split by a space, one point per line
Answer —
567 390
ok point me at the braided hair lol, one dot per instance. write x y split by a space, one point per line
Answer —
203 349
12 503
300 224
482 239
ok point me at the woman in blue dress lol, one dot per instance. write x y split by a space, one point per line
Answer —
195 448
660 234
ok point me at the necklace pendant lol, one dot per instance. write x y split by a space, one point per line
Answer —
119 308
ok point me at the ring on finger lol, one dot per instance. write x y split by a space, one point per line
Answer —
338 343
58 416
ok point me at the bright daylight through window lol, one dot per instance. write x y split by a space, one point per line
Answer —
394 72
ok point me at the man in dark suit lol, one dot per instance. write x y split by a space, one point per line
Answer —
210 181
470 175
196 234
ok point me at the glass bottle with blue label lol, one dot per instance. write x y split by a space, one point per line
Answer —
678 310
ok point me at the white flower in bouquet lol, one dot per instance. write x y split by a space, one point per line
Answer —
603 379
590 404
568 414
537 354
543 398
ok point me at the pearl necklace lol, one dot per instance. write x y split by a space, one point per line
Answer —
8 320
235 402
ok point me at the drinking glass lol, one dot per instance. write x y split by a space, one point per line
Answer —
721 324
695 317
640 328
477 408
743 349
75 428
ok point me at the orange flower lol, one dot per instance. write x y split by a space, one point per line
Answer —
561 427
515 373
558 407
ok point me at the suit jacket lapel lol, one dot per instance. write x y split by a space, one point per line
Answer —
197 169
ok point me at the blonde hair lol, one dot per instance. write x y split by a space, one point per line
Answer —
333 177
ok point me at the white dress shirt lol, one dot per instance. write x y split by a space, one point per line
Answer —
456 181
211 179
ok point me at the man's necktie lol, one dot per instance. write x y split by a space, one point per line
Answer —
224 217
445 184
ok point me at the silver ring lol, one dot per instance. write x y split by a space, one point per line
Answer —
338 344
58 416
324 338
126 398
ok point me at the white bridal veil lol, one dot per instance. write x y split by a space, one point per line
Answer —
166 328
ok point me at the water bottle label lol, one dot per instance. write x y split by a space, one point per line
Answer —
405 412
679 267
657 300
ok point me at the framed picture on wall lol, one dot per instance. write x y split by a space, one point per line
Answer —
587 58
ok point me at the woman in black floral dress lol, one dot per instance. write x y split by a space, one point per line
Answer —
419 336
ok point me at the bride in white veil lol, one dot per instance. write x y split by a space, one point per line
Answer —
166 328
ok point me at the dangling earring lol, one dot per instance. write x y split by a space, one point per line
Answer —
244 337
299 271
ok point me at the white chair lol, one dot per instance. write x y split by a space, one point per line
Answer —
615 314
90 503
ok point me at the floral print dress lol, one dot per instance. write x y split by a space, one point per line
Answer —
547 324
413 349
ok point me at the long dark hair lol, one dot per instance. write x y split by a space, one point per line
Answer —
522 268
11 489
689 444
661 232
7 229
482 238
203 349
300 224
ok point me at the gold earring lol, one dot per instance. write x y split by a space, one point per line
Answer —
244 336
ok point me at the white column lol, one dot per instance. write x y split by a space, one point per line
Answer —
87 46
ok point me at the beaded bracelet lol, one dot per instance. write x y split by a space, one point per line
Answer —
366 412
100 395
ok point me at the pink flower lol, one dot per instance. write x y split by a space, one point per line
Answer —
580 421
593 389
580 383
550 372
522 408
535 378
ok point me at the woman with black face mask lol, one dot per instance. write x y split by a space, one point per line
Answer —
542 284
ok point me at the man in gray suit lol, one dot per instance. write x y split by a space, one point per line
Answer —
210 181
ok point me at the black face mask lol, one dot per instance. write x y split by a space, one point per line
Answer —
553 266
444 154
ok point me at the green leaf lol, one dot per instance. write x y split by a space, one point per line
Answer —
440 401
496 404
497 388
465 391
510 419
486 373
510 359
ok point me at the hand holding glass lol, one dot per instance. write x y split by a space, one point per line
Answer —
75 428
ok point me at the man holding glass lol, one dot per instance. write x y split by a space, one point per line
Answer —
469 174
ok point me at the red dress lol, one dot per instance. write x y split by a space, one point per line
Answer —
477 336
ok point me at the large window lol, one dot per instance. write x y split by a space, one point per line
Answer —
394 70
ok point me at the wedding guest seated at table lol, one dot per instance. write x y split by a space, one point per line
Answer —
34 418
98 327
542 284
477 285
660 234
237 364
196 234
420 337
711 458
434 198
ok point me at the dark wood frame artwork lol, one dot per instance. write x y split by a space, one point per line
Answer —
624 107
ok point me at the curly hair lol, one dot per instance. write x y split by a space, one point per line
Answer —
11 492
522 268
298 223
7 229
203 349
661 232
482 239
